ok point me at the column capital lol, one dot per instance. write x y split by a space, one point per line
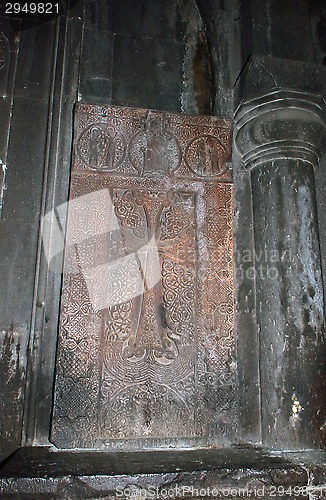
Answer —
282 123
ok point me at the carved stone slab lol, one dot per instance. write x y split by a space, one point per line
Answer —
146 344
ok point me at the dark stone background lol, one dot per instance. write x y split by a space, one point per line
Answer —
175 55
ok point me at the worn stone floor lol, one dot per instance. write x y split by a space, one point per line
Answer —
236 472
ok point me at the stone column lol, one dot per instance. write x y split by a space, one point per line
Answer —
281 136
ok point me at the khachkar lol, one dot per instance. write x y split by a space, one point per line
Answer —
146 342
281 136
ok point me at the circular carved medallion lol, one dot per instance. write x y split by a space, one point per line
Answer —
101 148
206 156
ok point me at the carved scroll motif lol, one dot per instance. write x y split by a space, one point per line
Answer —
146 347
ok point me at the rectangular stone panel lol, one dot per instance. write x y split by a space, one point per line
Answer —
146 343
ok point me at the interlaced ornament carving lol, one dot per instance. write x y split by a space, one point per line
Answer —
146 343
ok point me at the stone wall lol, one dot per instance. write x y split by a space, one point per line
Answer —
179 55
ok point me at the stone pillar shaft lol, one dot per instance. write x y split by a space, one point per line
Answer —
280 137
289 303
